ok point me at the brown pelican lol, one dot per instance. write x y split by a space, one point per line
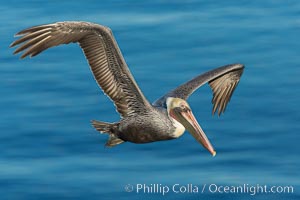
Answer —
141 122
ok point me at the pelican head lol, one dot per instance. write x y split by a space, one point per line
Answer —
180 111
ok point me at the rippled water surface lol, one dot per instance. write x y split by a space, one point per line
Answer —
50 151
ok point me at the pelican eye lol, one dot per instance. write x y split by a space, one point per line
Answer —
184 108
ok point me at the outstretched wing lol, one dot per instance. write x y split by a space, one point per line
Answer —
222 81
102 52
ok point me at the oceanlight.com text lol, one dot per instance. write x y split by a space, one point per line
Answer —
250 189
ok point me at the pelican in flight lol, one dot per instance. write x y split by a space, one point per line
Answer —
141 122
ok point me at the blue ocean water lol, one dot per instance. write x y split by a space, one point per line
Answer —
50 151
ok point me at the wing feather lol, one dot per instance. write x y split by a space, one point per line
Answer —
102 52
222 81
223 87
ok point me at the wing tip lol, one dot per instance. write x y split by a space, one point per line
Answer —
221 100
236 66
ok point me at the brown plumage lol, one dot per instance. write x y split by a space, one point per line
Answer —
140 121
222 81
102 52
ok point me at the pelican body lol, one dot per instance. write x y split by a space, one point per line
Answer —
141 122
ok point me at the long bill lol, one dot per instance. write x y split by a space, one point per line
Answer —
187 119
